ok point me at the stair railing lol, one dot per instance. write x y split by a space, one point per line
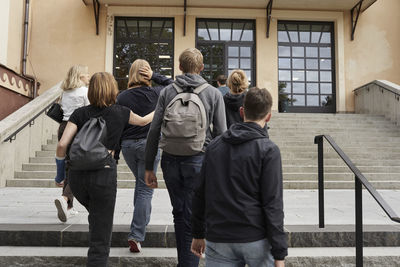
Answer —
360 181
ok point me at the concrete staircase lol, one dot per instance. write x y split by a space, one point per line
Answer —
371 142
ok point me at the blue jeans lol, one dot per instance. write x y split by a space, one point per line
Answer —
181 175
254 254
133 151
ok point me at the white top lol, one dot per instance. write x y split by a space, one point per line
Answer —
73 99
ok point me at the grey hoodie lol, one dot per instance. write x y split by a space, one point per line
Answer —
213 104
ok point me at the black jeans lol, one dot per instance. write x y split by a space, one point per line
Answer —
97 190
180 175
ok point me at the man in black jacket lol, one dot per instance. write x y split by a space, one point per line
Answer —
238 204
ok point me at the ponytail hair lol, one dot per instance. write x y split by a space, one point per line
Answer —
237 81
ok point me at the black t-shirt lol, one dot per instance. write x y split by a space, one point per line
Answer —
116 117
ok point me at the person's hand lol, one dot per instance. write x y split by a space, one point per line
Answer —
150 179
61 184
146 72
279 263
198 247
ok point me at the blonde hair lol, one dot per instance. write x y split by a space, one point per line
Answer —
191 61
103 89
237 81
135 78
73 79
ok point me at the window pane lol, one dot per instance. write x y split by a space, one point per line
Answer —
325 64
297 51
293 37
225 31
282 36
248 32
298 75
325 76
248 74
312 76
233 51
202 34
284 63
298 100
313 100
298 63
326 88
312 64
233 63
245 63
284 75
312 88
245 52
312 51
325 52
298 88
304 37
315 37
213 29
237 31
284 51
326 38
285 87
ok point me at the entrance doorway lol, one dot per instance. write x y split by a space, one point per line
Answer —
226 45
306 66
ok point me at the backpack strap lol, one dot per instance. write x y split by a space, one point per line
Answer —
196 91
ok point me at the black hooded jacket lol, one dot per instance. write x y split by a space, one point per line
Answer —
239 197
232 105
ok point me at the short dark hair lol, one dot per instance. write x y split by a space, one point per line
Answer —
257 103
221 79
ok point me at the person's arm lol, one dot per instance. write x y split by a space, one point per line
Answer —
219 118
271 186
153 137
62 145
135 119
156 77
198 213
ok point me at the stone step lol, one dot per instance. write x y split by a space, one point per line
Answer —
286 169
299 176
166 257
48 183
76 235
305 184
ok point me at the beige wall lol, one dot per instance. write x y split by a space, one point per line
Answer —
4 20
375 52
15 34
64 34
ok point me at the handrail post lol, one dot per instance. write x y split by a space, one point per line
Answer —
359 223
319 140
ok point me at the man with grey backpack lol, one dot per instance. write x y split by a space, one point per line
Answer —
189 113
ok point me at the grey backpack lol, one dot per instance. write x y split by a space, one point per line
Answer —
87 151
184 126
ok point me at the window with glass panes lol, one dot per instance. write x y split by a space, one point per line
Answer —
226 45
306 65
151 39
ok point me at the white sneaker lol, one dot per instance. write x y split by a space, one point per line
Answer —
62 208
72 212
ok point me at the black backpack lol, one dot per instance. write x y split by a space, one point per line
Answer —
87 151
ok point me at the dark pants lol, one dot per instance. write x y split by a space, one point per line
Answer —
97 190
181 175
66 188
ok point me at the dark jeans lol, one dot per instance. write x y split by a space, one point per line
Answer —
66 188
180 175
97 190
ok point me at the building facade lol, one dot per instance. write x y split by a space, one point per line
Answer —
302 48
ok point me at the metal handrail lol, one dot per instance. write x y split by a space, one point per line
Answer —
31 122
360 180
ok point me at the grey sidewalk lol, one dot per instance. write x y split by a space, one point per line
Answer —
36 206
